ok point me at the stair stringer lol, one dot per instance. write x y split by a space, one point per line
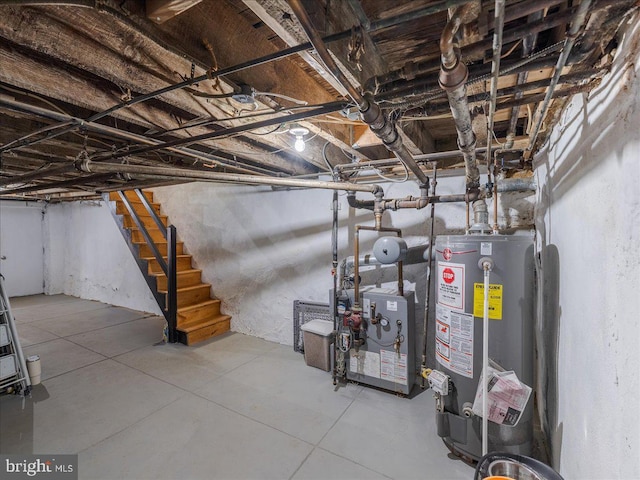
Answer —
143 265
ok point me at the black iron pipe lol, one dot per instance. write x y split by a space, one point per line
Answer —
359 204
47 172
16 106
427 300
323 110
61 184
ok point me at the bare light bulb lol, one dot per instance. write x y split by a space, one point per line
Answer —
299 144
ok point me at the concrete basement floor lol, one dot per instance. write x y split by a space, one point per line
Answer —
235 407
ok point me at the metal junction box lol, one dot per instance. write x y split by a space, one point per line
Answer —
387 357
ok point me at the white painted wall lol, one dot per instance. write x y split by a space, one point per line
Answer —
88 258
262 249
22 243
588 218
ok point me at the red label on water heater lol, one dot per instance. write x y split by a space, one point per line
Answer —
448 276
447 253
450 287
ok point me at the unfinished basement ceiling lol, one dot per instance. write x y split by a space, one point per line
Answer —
83 80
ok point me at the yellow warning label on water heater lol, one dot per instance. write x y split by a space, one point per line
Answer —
495 301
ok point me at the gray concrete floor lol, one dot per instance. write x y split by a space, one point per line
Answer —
234 407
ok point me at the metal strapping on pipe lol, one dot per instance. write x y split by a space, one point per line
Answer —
177 173
321 110
576 25
370 111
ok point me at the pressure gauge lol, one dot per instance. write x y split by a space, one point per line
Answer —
384 322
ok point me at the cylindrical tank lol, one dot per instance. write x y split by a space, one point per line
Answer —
458 342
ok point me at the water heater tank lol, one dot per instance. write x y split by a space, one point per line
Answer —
458 340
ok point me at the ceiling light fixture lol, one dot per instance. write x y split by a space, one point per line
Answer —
299 133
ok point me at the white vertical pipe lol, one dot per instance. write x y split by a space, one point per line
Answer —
485 358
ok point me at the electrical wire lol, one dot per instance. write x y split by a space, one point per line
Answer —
393 180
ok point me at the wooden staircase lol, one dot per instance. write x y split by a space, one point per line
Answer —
198 315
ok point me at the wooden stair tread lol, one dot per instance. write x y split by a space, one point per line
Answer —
157 242
199 317
191 327
189 308
181 272
190 288
165 257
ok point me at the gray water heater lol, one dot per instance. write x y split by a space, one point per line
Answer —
459 285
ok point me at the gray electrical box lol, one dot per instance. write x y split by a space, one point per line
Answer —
387 357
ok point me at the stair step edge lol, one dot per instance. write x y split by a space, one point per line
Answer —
181 272
189 288
195 306
188 328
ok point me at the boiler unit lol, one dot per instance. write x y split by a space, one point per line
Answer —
458 341
378 343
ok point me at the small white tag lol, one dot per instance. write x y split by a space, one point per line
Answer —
392 306
485 248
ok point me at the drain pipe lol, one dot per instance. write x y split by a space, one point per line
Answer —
453 75
369 110
571 36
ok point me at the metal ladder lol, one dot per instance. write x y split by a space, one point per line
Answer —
13 368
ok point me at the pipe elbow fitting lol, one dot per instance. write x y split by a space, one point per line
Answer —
454 77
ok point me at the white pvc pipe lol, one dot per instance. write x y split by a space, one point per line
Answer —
485 359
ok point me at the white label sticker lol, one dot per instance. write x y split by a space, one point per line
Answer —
364 363
393 367
392 306
451 285
366 307
485 248
454 340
